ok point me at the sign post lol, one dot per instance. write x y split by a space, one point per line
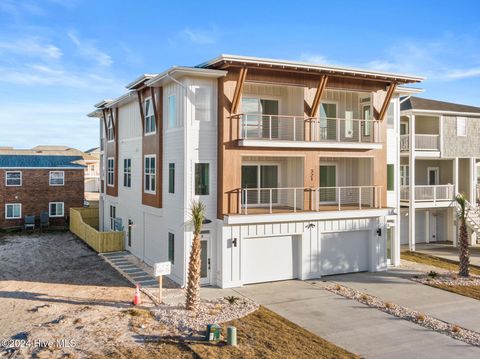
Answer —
159 270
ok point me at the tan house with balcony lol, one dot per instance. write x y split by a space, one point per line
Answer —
443 162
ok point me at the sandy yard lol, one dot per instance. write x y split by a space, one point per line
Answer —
53 287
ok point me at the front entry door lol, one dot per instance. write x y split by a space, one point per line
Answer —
328 182
205 266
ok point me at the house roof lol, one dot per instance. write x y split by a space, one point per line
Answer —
226 60
424 104
11 161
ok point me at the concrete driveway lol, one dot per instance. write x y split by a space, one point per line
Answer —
351 325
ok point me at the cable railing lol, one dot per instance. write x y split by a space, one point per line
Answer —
299 199
300 128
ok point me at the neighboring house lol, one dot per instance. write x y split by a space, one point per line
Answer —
443 141
92 170
32 184
296 164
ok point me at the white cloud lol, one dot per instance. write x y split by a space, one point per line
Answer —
87 49
200 36
31 46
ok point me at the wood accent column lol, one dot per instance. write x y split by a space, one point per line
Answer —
152 144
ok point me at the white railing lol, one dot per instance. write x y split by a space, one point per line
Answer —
422 142
295 199
300 128
428 193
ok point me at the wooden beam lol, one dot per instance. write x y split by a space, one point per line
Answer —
237 95
140 104
318 95
386 103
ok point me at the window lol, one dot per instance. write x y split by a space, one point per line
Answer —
202 179
171 247
202 103
461 126
172 111
113 216
127 172
110 132
13 211
149 116
110 172
57 178
13 178
171 178
390 177
149 175
55 209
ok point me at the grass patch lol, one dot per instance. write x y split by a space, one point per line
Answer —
436 261
264 334
467 291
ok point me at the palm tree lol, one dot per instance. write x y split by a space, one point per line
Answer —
197 216
463 255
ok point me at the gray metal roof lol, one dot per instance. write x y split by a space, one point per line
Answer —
40 161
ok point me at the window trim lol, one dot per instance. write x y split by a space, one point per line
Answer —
50 178
13 204
145 174
50 209
149 98
13 185
129 173
113 172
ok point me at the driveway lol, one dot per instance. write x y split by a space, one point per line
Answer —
353 326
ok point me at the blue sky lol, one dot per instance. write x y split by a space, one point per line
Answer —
59 57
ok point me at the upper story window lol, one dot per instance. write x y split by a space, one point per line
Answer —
202 103
56 209
110 132
149 175
13 210
57 178
13 178
461 126
127 172
110 171
172 111
202 179
150 126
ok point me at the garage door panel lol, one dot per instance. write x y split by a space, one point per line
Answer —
344 252
269 259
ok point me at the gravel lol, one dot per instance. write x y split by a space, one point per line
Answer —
424 320
216 311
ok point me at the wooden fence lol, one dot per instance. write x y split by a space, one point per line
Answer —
84 224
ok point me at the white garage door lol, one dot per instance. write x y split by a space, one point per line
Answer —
344 252
268 259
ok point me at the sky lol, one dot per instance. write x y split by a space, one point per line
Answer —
60 57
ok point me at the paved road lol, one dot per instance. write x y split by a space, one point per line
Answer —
351 325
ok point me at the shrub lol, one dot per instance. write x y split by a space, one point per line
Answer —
232 299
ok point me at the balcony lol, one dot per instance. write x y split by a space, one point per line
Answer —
301 199
430 193
422 142
262 130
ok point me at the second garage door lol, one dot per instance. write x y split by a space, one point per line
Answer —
344 252
269 259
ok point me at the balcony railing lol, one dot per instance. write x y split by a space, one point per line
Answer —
428 193
422 142
301 199
300 128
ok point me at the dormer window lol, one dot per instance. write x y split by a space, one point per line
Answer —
149 116
110 134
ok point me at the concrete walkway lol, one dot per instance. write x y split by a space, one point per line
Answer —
447 251
351 325
394 286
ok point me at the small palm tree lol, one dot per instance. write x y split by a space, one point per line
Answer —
463 255
197 216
